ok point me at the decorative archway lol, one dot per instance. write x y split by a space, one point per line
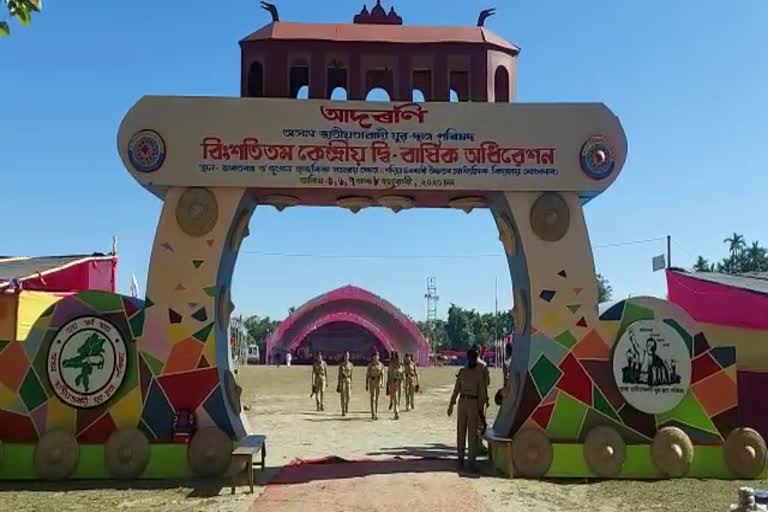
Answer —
354 305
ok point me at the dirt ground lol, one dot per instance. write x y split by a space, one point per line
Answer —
281 408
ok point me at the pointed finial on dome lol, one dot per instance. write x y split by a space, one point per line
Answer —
378 16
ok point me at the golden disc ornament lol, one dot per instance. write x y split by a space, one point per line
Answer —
531 453
604 451
126 453
745 453
56 455
550 217
209 452
197 211
672 452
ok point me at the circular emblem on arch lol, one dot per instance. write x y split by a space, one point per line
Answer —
597 158
146 151
197 211
87 362
652 366
550 217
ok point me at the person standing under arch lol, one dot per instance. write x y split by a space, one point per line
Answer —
471 393
374 376
487 381
344 385
319 380
395 375
411 381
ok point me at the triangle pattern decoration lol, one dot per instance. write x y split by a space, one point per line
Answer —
545 375
575 380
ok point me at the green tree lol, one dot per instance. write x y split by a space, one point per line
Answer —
459 328
465 327
741 258
736 245
604 289
755 259
21 10
436 332
258 328
703 265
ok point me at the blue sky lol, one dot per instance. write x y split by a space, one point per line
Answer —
687 79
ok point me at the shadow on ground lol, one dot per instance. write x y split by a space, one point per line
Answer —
335 468
431 450
200 488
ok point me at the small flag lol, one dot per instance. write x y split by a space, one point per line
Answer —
134 286
659 262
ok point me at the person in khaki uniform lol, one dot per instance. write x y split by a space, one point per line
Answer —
374 378
345 382
395 377
470 390
411 381
487 376
319 380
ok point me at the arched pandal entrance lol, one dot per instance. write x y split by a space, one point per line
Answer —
226 159
361 320
578 401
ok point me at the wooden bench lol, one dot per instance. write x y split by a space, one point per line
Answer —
244 453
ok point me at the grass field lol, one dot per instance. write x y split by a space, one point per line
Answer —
280 407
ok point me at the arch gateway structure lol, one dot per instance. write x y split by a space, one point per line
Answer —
107 386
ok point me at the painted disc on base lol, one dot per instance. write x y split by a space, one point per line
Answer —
210 452
531 453
604 451
126 453
56 455
745 452
672 452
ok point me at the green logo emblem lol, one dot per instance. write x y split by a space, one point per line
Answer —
87 362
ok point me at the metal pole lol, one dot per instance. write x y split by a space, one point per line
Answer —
669 251
495 318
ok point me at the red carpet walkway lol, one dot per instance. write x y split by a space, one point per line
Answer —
336 485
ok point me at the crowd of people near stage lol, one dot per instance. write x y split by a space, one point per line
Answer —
402 377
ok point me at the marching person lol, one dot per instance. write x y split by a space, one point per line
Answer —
470 390
395 375
374 377
319 380
344 385
411 381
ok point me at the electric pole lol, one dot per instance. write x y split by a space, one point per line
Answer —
431 298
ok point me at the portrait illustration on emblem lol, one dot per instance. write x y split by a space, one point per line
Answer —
646 365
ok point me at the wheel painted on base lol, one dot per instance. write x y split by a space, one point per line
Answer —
531 453
209 452
126 453
745 453
672 452
56 455
604 451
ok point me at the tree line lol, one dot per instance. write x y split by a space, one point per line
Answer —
742 257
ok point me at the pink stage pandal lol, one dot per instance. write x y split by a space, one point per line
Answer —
357 306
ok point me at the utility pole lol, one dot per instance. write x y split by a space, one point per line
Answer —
431 299
669 251
495 319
